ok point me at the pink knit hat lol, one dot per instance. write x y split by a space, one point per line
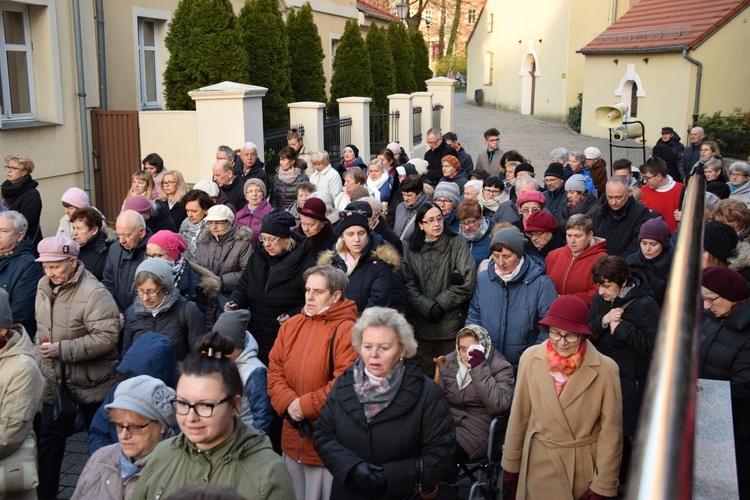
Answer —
531 195
76 197
172 243
139 203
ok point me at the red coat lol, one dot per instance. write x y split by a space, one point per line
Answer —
572 275
298 366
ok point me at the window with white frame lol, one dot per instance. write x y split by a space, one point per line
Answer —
148 63
471 16
16 64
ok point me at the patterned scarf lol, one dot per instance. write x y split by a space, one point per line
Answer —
288 176
376 393
478 234
561 368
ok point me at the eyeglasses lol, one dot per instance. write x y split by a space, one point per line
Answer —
570 338
268 240
443 201
155 255
168 183
733 174
468 223
530 210
432 143
204 410
711 300
132 429
491 191
647 178
148 293
13 169
433 220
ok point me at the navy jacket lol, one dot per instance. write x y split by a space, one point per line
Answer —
119 271
19 276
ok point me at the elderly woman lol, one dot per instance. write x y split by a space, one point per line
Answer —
72 200
214 444
541 230
492 195
303 191
94 239
196 204
739 188
257 207
189 277
351 159
77 332
527 203
511 296
316 227
154 165
385 398
474 228
143 416
325 177
452 171
440 275
159 307
719 241
447 196
724 351
284 183
19 193
353 177
379 181
478 384
173 188
472 189
570 266
570 421
271 285
580 200
371 264
714 170
156 220
224 249
313 348
654 257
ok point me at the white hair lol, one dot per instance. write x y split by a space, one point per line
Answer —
250 145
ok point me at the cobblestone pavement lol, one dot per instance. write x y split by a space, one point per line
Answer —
530 136
76 455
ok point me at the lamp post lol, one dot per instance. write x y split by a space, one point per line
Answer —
427 22
402 9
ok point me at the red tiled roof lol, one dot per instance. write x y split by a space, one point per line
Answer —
370 10
665 25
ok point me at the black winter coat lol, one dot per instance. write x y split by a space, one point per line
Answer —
620 227
656 271
235 193
119 271
94 253
283 195
24 198
177 212
376 279
587 206
434 166
161 219
272 286
181 321
388 235
19 276
321 242
418 423
630 345
556 200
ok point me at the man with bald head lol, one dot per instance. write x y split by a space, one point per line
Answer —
229 183
252 167
692 153
124 256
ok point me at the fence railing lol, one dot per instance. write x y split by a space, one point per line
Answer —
436 113
337 133
383 129
417 126
273 142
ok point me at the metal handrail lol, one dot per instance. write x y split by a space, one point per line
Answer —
662 462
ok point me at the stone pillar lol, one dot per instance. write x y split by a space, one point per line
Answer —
402 103
442 93
358 108
424 99
309 115
227 113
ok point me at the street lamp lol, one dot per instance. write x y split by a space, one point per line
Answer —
402 8
427 21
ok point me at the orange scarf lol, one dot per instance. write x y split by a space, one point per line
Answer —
561 368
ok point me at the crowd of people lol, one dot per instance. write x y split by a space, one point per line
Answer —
351 331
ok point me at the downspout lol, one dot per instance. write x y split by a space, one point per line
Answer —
102 55
614 11
697 83
82 99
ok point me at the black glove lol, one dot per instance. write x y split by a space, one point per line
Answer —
456 279
436 313
305 428
368 478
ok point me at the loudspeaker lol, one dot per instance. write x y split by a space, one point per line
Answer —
610 116
627 131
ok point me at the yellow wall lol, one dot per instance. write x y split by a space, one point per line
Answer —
174 134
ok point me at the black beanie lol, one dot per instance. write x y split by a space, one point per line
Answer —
278 223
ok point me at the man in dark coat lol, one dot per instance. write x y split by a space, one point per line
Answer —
229 183
670 139
228 154
554 180
19 274
438 149
467 164
252 167
692 153
620 219
125 255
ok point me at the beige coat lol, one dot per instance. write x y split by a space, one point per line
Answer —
82 315
101 477
564 445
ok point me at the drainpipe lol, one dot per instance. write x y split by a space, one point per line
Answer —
102 56
697 83
614 11
82 99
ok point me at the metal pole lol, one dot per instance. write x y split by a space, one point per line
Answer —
82 99
101 42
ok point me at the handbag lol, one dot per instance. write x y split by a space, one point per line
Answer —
418 492
65 407
18 471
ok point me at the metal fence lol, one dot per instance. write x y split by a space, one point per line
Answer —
417 126
383 129
436 115
273 142
337 133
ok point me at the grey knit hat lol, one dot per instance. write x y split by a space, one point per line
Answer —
159 267
511 238
257 182
6 314
448 190
576 182
233 325
146 396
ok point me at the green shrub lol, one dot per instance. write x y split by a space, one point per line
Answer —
731 132
403 58
422 71
306 53
574 115
351 65
381 67
450 65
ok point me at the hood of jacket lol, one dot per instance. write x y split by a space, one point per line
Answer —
25 183
239 233
339 311
152 354
25 247
641 288
740 258
250 351
533 267
18 344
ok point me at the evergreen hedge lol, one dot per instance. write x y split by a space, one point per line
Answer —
422 71
351 65
306 54
403 58
381 67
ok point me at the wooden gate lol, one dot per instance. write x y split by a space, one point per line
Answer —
116 152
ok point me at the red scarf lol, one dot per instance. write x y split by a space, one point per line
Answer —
560 367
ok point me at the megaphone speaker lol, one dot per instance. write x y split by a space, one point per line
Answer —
611 116
627 131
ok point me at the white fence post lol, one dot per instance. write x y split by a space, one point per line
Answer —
309 115
424 99
442 93
402 104
359 109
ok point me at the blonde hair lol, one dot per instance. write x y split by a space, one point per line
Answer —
181 186
26 163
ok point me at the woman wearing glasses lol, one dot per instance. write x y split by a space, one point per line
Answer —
564 435
159 307
215 447
475 229
142 414
440 275
173 188
224 249
492 195
739 188
20 193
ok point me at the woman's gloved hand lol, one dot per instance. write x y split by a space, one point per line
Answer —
590 495
510 483
437 313
368 478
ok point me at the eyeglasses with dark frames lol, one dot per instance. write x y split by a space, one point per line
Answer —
204 410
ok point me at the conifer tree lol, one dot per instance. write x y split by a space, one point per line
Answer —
203 46
306 55
381 66
351 65
422 71
403 58
265 39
